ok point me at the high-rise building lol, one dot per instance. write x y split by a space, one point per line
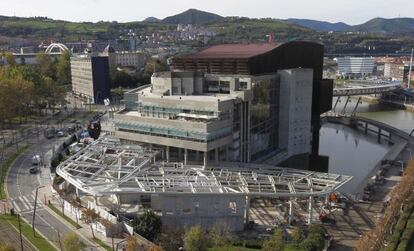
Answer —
355 66
242 103
90 77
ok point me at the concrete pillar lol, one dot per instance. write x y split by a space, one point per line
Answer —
246 211
290 211
185 156
167 153
379 135
205 159
310 211
216 154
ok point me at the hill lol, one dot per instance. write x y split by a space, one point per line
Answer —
319 25
193 16
383 25
151 19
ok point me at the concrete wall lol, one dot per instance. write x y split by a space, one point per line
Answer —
201 210
295 133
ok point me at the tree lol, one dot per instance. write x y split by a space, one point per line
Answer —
220 235
132 244
155 65
46 65
90 216
170 239
195 239
275 243
156 248
316 238
63 75
10 59
148 225
71 242
6 247
297 235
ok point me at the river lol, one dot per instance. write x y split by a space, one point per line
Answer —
353 153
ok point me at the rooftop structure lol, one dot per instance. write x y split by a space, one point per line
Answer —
186 195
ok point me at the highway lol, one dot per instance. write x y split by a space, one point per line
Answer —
21 186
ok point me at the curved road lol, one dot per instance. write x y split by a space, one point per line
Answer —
21 186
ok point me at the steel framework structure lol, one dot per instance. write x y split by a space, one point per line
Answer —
108 167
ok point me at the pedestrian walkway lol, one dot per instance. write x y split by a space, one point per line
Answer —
25 203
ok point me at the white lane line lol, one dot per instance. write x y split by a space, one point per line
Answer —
28 202
16 206
24 203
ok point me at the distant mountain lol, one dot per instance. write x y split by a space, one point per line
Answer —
319 25
151 20
383 25
193 16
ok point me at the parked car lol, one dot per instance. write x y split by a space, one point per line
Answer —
60 133
34 170
35 160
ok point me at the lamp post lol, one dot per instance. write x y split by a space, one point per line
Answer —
34 210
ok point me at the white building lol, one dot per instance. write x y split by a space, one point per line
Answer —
355 66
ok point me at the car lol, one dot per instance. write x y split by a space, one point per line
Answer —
60 133
36 160
33 170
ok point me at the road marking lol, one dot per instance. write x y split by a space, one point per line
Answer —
15 205
23 202
28 202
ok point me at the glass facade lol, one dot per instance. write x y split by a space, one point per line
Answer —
264 118
173 132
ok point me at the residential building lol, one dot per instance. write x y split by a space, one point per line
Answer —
90 77
359 66
126 58
240 103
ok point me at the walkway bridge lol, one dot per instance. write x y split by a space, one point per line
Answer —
368 125
383 87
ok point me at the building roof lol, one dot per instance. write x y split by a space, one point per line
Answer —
243 51
109 167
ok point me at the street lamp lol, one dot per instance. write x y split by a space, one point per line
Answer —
34 210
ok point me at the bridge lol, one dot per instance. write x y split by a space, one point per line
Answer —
383 87
382 130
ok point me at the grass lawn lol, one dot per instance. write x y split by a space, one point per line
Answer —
38 241
5 168
57 211
102 244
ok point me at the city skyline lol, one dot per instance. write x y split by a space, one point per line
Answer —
105 10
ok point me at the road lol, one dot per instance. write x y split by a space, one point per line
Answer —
21 186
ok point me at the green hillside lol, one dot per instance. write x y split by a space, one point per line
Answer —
383 25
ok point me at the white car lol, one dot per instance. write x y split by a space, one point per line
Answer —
35 160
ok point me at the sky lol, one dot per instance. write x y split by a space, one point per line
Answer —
349 11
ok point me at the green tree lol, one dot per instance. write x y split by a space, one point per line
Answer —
275 243
71 242
220 235
46 65
63 75
148 225
10 59
155 65
196 239
90 216
297 235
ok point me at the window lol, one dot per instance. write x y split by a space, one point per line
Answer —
233 207
243 85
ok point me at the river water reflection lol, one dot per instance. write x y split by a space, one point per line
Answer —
353 153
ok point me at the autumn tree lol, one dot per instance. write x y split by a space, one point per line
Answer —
90 216
72 242
6 247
